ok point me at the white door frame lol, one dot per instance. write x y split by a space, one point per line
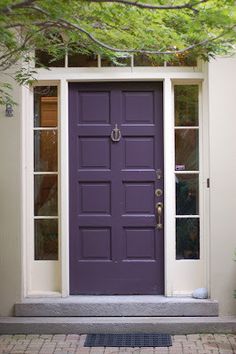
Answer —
54 275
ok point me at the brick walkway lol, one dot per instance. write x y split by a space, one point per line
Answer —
73 343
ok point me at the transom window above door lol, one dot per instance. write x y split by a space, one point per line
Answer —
73 59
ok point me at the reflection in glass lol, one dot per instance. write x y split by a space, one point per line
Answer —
186 149
45 150
45 195
187 196
82 60
45 106
126 61
44 59
46 239
147 60
182 60
186 105
187 238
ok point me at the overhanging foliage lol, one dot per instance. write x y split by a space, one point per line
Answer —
113 28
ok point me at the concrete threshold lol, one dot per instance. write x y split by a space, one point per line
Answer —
105 306
83 325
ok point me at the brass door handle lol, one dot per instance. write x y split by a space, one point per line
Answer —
159 209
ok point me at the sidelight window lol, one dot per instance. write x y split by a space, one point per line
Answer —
45 173
187 171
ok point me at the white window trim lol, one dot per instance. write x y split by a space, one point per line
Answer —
61 77
204 191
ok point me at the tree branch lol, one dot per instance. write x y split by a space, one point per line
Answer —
20 5
190 5
69 25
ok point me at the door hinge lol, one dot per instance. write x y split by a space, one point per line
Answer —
208 182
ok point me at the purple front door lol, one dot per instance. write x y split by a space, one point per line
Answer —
115 244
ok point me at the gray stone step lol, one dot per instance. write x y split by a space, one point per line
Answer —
83 325
136 305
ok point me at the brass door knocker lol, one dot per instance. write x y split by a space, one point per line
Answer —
116 134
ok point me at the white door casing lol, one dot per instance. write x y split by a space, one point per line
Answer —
51 278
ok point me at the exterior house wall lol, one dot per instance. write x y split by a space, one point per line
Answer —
10 207
222 241
222 113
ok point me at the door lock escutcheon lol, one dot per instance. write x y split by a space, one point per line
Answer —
158 192
159 174
159 210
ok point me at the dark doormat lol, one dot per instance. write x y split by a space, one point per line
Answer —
128 340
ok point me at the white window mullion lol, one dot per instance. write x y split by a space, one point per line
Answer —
187 216
37 173
45 128
45 217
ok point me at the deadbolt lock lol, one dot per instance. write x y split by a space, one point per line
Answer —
158 192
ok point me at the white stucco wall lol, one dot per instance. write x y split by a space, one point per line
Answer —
222 112
10 207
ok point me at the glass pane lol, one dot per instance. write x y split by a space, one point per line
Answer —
182 60
186 149
44 59
186 105
187 238
82 60
45 150
187 195
46 239
45 195
45 106
147 60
